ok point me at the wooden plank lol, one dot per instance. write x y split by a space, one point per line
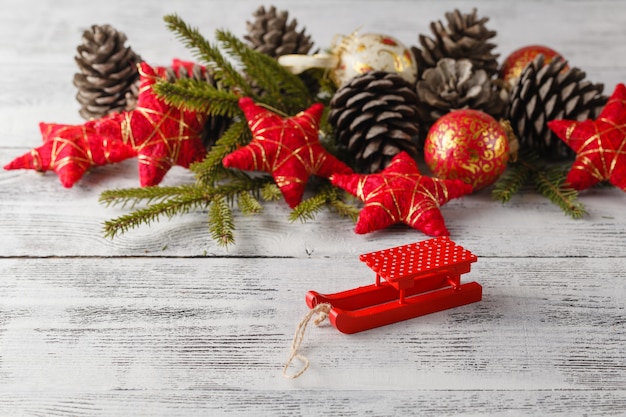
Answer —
539 318
88 334
224 402
36 211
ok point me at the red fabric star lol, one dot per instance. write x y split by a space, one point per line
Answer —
161 135
287 148
401 194
70 151
600 144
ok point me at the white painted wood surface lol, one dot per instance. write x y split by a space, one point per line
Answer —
161 321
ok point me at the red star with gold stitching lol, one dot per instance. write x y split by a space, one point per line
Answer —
288 148
70 150
161 134
600 144
401 194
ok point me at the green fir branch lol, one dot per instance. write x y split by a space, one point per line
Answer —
509 183
345 210
133 196
550 183
327 196
199 96
239 182
281 89
548 180
208 53
271 192
207 170
248 204
169 208
221 222
308 209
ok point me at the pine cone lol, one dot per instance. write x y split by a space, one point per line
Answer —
455 85
548 92
271 34
107 71
374 118
465 37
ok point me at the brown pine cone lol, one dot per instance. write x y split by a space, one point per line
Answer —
466 36
454 85
272 34
374 117
108 71
547 92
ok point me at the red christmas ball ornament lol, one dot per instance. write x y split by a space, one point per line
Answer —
468 145
514 63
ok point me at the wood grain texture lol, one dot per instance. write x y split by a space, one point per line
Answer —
221 328
161 321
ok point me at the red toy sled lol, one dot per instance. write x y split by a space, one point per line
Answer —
419 279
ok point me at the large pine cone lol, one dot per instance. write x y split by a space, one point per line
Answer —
374 117
108 69
271 34
455 85
549 92
466 36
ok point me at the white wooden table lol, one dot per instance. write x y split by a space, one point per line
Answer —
161 321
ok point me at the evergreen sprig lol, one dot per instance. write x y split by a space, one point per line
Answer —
550 183
516 176
548 180
133 196
221 222
248 204
328 196
208 54
281 89
238 71
177 205
207 171
198 95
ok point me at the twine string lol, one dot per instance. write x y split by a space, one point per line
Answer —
322 311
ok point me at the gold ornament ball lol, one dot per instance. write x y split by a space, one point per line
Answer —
361 53
469 145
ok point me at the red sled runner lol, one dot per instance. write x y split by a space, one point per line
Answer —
419 279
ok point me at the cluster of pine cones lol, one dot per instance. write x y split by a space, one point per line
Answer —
378 114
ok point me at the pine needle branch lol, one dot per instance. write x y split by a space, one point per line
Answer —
208 53
174 206
282 89
271 192
200 96
327 196
134 196
221 222
248 204
307 209
345 210
207 170
550 183
517 175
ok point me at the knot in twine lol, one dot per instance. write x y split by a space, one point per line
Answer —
322 311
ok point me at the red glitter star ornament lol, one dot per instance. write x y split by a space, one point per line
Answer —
162 135
600 144
70 151
288 148
401 194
